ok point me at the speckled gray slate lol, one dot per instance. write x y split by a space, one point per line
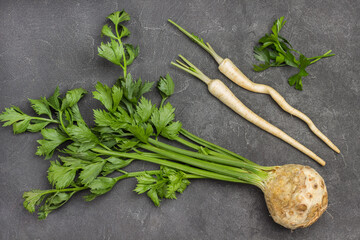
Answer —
44 44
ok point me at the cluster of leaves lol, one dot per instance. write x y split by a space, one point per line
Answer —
275 51
116 51
163 185
127 120
120 127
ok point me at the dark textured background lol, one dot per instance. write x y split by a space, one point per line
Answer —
48 43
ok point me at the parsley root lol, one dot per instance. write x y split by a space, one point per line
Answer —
228 68
218 89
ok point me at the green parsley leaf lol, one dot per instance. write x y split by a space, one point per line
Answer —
124 31
60 176
117 94
41 106
54 202
114 164
106 30
101 185
37 126
144 109
54 100
297 78
133 90
105 119
112 51
76 115
162 117
141 132
14 116
33 198
262 55
82 133
131 53
127 144
52 139
72 97
172 130
275 51
166 86
104 95
90 172
118 17
109 97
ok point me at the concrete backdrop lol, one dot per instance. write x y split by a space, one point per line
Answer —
44 44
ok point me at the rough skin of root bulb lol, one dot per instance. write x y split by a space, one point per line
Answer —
295 195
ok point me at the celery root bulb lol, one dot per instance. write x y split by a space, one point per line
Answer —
295 195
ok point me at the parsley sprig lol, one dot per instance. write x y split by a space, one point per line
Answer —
275 51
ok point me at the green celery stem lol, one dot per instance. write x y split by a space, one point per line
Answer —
229 162
213 167
181 167
198 148
212 146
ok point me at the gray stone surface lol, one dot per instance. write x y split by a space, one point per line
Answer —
44 44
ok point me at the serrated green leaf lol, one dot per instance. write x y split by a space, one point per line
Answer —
112 51
131 53
74 162
126 145
183 185
81 133
144 109
33 198
36 127
146 179
90 172
142 188
41 106
110 167
54 100
166 86
118 17
279 59
133 90
172 130
291 60
76 115
141 132
90 197
124 31
117 94
72 97
105 119
106 30
52 138
262 55
278 24
21 126
60 176
12 115
102 185
162 117
104 95
54 202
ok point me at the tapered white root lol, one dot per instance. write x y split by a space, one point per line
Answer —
228 68
218 89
